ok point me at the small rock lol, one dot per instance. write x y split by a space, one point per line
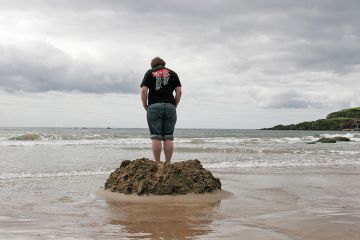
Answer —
327 140
333 139
27 137
342 139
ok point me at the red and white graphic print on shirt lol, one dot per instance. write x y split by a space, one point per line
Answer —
162 77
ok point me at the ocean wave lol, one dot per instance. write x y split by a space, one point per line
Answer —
345 152
65 137
248 150
220 149
121 138
23 175
248 140
62 142
279 164
208 164
35 139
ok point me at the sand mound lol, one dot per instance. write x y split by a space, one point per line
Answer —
143 176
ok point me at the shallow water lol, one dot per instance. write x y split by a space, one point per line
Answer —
282 188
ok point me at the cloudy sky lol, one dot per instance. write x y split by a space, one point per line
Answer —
242 64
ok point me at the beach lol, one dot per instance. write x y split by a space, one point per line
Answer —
275 186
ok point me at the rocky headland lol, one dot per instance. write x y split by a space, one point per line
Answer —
346 119
143 176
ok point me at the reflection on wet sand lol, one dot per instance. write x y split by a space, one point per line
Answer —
163 219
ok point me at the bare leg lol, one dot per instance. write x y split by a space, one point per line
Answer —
156 148
168 150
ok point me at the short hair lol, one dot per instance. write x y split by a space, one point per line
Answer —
157 62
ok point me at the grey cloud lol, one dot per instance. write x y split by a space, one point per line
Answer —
303 35
298 36
241 54
334 56
40 67
289 99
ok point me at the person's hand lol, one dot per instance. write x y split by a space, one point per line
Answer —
145 107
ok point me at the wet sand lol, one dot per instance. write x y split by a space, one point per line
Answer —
286 204
203 198
281 187
299 203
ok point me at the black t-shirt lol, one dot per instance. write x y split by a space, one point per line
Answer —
161 82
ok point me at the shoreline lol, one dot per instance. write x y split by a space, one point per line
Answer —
189 198
278 187
312 205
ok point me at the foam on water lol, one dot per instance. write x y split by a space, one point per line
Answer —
279 164
226 164
23 175
62 142
68 140
215 148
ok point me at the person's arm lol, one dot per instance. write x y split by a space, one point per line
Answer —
178 93
144 96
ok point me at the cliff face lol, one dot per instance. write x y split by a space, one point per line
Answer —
335 121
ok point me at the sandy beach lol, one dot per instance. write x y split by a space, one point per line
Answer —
279 205
274 187
296 204
178 120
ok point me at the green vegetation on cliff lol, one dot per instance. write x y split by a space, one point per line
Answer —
346 113
340 120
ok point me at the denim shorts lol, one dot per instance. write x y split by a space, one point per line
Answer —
161 118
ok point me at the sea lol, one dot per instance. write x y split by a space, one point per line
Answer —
49 179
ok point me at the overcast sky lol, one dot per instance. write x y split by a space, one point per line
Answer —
242 64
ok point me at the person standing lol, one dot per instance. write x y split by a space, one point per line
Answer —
158 100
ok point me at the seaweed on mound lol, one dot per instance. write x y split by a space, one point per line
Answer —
143 176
